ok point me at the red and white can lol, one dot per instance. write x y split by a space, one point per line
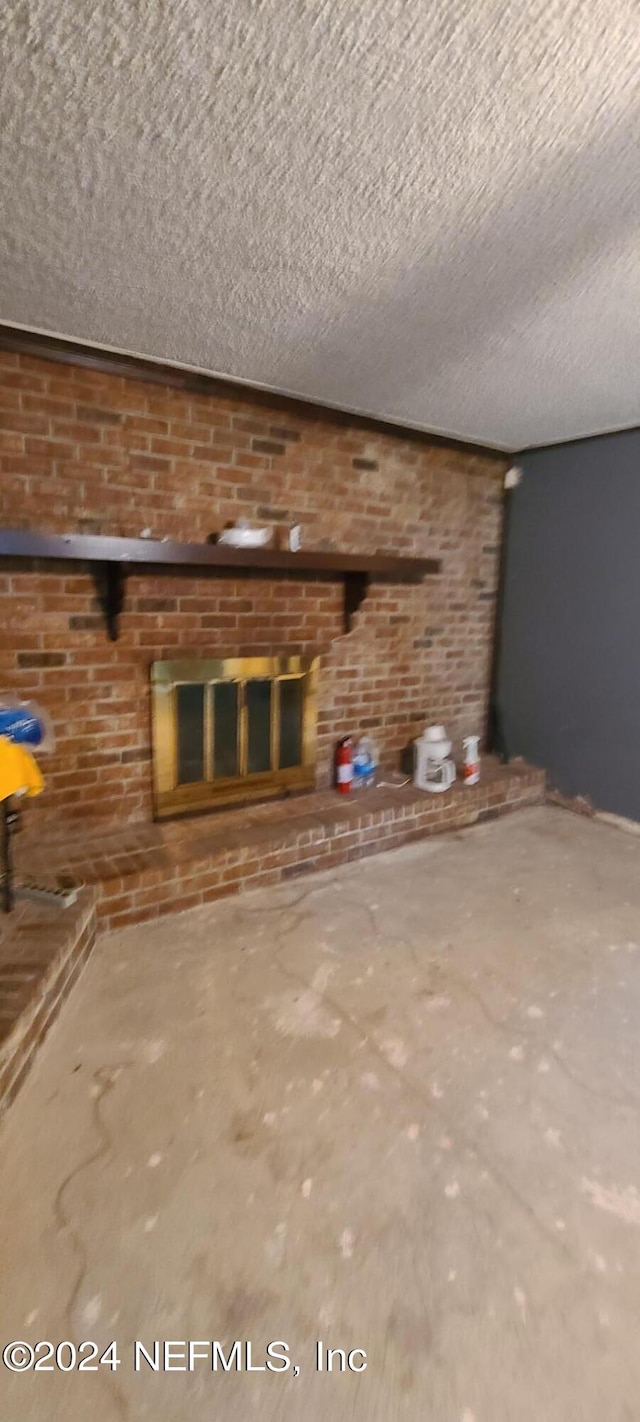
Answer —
344 765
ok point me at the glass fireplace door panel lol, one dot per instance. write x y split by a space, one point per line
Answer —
290 722
259 713
190 733
226 756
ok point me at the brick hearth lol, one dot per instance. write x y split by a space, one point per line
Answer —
144 871
42 952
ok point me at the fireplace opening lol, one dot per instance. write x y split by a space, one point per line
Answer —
232 730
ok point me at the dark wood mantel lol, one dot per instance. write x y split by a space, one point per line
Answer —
112 559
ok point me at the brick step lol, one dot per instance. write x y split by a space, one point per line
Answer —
154 869
42 952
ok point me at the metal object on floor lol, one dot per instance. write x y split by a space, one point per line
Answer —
9 819
57 897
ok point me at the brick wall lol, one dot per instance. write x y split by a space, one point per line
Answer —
83 451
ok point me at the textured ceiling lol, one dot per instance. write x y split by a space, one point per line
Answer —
425 212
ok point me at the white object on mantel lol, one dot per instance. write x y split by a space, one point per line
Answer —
432 768
242 536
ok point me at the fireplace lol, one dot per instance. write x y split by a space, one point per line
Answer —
232 730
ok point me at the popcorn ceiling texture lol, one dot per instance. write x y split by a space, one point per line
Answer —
86 451
428 213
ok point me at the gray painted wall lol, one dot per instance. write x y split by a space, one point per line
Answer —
568 688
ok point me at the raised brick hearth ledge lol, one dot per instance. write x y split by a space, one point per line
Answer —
153 869
42 952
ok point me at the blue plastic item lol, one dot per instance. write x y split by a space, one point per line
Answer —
365 763
19 726
26 724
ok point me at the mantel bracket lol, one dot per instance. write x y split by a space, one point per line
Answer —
111 560
110 580
356 586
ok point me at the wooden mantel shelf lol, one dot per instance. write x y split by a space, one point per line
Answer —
112 559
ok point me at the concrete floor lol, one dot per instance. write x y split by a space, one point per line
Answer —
393 1108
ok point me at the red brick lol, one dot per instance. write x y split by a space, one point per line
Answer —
140 455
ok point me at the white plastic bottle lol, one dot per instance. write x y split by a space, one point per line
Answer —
471 760
365 763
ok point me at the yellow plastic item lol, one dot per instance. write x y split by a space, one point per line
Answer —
19 772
